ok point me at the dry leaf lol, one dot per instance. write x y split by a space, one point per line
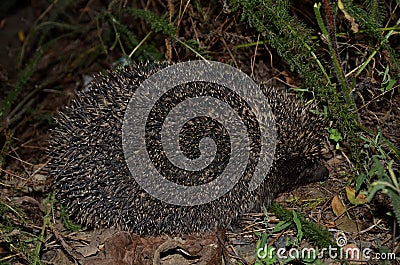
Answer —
21 35
344 223
337 206
354 25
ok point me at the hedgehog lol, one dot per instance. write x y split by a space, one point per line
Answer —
93 180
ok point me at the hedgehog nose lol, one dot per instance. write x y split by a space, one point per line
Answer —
321 173
312 172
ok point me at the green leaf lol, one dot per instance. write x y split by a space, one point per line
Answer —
298 227
282 225
355 200
335 135
359 181
67 222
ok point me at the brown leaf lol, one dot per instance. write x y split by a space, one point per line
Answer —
354 25
337 206
344 223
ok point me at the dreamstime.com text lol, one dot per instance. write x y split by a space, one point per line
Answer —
332 252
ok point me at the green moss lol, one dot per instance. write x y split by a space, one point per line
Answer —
313 232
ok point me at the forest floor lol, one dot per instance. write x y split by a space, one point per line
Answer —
49 51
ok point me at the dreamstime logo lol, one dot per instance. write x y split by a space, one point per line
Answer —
342 252
341 240
160 100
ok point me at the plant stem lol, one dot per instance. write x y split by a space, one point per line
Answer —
140 43
46 222
335 57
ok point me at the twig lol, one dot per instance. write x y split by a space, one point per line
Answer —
140 44
253 61
190 48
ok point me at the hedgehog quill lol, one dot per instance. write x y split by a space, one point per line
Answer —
96 158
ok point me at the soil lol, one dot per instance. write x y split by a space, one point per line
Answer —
64 67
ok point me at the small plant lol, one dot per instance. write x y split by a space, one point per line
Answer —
388 183
268 254
379 173
13 238
335 136
313 232
67 222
